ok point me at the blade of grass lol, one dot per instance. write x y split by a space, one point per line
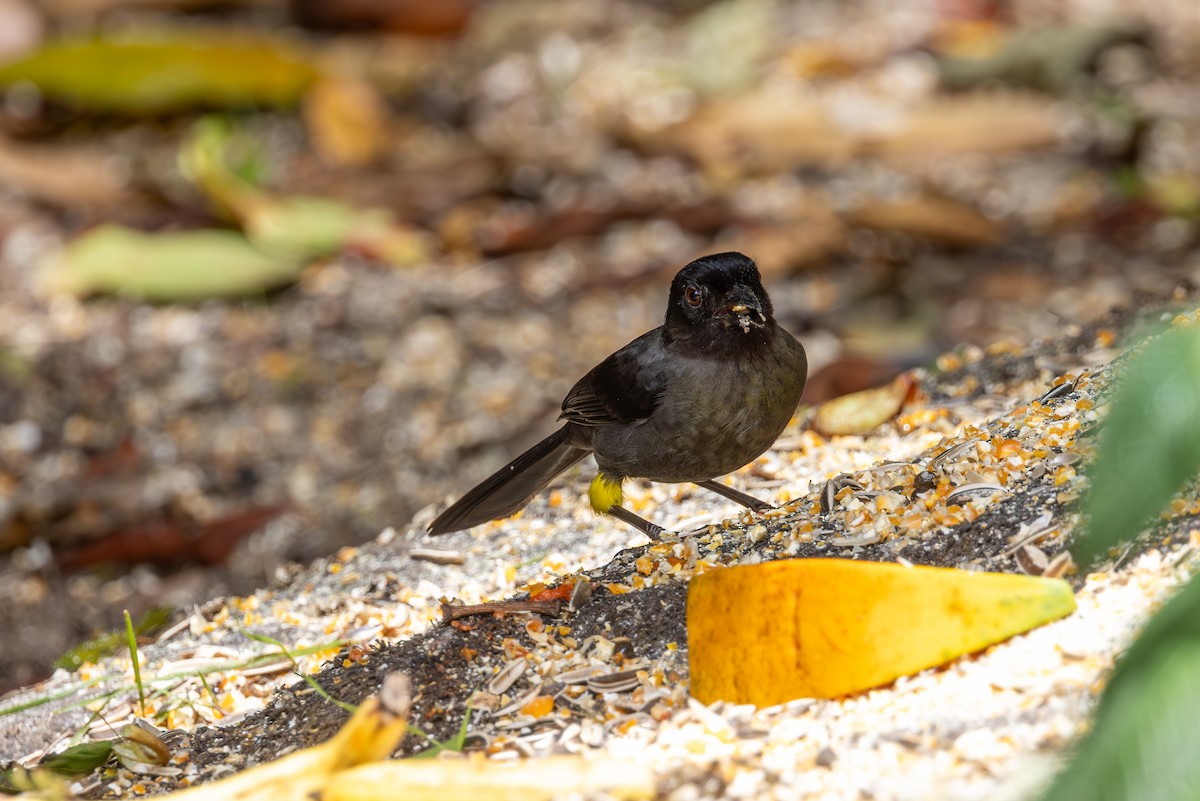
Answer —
250 662
454 744
321 691
34 703
131 640
208 688
312 682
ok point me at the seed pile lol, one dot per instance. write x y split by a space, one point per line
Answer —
971 479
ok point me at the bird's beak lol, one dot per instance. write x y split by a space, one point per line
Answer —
744 311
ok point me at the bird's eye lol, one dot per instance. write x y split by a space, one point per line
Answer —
693 296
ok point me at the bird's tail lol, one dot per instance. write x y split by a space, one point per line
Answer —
512 486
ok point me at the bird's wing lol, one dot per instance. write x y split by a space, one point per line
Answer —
623 388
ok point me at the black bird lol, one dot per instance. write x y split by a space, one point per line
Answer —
698 397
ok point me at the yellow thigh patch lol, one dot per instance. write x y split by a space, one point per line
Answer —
605 493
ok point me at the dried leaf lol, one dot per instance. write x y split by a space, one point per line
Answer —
940 219
985 123
755 133
21 28
413 17
70 177
844 376
139 746
173 266
809 238
170 541
819 59
347 119
862 412
774 130
165 72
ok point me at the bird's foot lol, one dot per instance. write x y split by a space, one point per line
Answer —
737 496
643 525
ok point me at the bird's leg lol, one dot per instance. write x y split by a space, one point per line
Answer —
606 497
643 525
737 496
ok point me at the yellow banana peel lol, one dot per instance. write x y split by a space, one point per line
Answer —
351 766
477 778
371 734
822 628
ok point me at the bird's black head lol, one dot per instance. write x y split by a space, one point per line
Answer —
717 301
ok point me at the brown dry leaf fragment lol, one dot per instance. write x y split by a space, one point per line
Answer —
991 123
21 28
458 228
844 376
811 239
1021 283
414 17
14 534
494 228
168 541
774 130
816 60
68 177
755 133
517 228
389 242
78 11
347 119
939 219
862 412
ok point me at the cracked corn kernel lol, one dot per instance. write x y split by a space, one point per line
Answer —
539 707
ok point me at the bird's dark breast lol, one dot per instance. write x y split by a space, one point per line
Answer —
715 416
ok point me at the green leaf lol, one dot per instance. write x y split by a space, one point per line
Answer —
9 783
1150 444
172 266
1147 731
92 650
98 647
1053 59
157 73
79 759
1178 622
293 226
307 226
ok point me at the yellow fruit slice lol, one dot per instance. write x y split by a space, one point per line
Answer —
822 628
